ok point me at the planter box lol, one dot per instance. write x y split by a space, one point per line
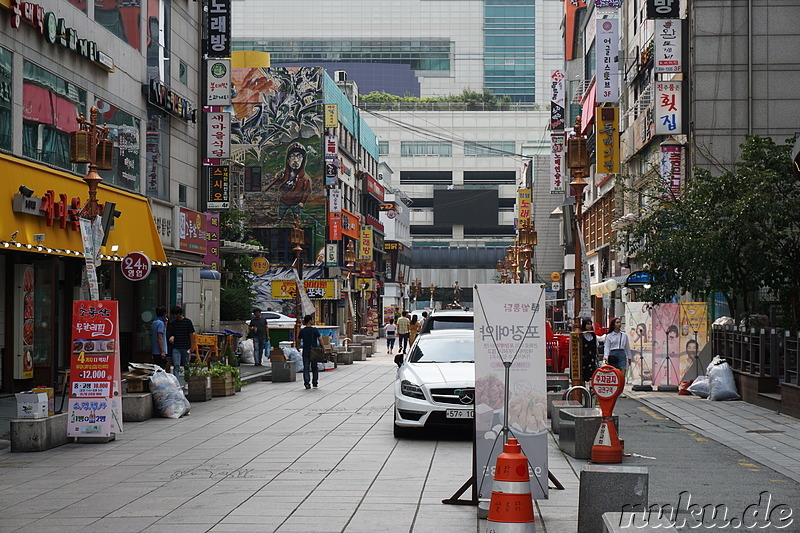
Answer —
199 389
222 386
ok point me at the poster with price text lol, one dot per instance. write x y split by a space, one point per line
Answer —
95 406
509 328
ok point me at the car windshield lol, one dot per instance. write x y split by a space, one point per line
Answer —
450 322
436 349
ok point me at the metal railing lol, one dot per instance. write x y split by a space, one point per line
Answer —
764 352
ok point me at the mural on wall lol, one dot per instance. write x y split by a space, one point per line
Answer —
278 124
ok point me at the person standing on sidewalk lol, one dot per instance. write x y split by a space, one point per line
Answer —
617 345
413 329
159 328
260 331
390 330
180 336
403 330
309 337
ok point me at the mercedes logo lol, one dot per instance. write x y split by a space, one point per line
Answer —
466 397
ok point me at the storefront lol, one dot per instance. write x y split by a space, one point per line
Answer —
41 267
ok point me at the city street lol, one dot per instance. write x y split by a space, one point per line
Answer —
277 457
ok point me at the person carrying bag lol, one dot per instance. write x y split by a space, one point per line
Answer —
309 340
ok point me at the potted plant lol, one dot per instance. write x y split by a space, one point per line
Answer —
224 379
198 380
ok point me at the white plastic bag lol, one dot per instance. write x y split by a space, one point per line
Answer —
248 351
699 387
168 397
721 383
293 354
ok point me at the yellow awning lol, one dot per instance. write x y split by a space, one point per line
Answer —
134 231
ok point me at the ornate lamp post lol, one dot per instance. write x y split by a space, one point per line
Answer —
89 145
297 238
401 278
433 288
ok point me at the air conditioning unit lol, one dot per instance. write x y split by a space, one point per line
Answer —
340 76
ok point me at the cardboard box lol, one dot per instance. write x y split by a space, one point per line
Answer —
137 385
277 357
32 404
51 398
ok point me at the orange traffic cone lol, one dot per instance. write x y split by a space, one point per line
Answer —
511 508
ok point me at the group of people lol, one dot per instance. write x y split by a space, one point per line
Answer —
405 330
616 343
172 339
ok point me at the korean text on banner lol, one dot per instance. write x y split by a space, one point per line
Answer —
365 243
218 74
671 169
667 39
305 302
510 328
218 138
89 247
607 60
218 28
524 205
668 108
608 140
557 112
585 310
557 163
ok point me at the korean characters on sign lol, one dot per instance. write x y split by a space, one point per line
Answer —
668 108
218 28
557 163
524 205
557 116
331 160
218 92
218 140
218 187
365 243
136 266
607 134
607 60
663 9
667 39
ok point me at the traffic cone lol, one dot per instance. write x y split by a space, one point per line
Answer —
511 508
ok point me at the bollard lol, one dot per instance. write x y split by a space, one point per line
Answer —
607 384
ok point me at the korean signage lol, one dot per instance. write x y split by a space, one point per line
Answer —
668 108
218 29
335 201
192 236
334 227
365 243
663 9
331 115
95 407
219 187
392 245
611 4
331 255
24 320
218 137
212 257
510 327
168 100
671 169
667 39
607 50
557 116
349 224
373 187
331 147
218 91
136 266
365 284
557 163
331 172
607 135
318 289
524 205
60 211
56 32
259 265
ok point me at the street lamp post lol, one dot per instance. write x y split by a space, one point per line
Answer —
432 289
88 144
297 238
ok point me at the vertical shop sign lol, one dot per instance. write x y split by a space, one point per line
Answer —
607 135
218 137
365 243
218 89
331 116
510 328
611 4
335 201
331 147
557 116
212 257
663 9
218 30
667 38
24 313
607 50
668 108
334 226
331 254
219 187
95 409
557 163
524 205
671 168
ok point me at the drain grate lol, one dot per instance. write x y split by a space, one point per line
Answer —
763 431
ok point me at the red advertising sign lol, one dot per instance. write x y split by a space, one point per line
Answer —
95 377
136 266
373 187
334 227
192 231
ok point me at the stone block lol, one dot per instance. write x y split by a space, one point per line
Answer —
368 350
359 339
39 434
557 382
284 372
552 396
628 521
137 406
577 429
608 488
344 358
359 352
555 408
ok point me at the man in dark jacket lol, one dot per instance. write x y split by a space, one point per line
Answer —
180 337
309 337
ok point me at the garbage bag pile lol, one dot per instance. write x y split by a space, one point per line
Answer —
247 352
718 383
168 397
293 354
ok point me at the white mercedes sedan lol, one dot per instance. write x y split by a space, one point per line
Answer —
435 385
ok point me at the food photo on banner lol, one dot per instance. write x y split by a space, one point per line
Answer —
510 328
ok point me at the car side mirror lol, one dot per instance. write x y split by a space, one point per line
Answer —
398 360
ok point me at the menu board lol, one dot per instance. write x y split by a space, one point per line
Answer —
372 321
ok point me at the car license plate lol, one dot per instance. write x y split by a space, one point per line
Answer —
459 413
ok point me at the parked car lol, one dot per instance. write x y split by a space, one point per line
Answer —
448 319
435 384
276 319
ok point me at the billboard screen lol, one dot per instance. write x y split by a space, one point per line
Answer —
476 207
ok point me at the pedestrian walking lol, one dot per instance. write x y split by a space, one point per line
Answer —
402 331
413 329
159 329
309 337
390 330
588 349
179 334
260 333
617 345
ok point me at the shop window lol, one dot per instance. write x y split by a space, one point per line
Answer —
43 311
252 179
121 19
5 99
158 39
182 194
183 72
124 130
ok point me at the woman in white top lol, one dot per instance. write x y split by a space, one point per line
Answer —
617 345
390 330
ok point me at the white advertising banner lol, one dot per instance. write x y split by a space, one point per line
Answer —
668 108
607 50
557 163
335 201
218 137
218 92
510 330
667 39
671 169
557 103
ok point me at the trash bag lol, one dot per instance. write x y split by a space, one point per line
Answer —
724 321
293 354
700 387
168 397
721 383
248 351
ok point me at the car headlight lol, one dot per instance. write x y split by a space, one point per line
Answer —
409 389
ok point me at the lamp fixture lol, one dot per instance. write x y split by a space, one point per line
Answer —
14 236
114 249
27 192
